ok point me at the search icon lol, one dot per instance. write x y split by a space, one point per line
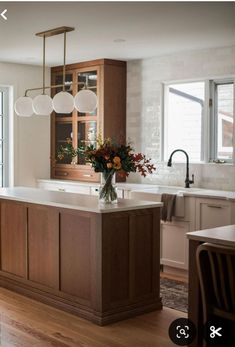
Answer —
182 332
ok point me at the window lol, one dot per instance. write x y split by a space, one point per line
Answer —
4 126
184 120
222 120
198 117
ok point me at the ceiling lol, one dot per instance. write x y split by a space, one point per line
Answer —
148 28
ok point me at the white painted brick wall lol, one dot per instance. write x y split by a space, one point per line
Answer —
144 79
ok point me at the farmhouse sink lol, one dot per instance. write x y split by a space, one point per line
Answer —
155 194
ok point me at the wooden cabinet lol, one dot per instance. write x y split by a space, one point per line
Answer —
212 213
107 78
103 267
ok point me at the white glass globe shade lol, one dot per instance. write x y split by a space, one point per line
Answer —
63 102
24 106
85 101
42 105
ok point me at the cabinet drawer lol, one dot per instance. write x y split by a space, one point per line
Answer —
82 175
212 213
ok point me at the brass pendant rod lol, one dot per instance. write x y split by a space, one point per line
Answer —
57 86
64 61
44 64
49 33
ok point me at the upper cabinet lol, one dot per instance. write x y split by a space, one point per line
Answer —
107 78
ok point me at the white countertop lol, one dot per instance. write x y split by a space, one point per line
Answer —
221 235
153 189
70 200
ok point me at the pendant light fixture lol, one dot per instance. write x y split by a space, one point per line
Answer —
63 102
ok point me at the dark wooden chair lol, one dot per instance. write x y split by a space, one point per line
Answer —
216 270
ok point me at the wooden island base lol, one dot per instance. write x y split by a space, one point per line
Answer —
100 266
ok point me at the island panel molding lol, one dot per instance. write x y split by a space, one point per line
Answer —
75 254
14 239
43 256
100 266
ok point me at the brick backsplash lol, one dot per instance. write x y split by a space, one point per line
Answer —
144 109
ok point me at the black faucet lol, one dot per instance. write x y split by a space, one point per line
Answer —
187 180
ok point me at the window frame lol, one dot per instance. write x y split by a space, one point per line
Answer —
209 126
5 137
213 83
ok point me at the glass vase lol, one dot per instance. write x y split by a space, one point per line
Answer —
108 189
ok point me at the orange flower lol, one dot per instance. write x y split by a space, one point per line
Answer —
117 166
109 165
116 160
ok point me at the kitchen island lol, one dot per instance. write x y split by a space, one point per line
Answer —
99 262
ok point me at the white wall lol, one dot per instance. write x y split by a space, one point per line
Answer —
31 136
144 95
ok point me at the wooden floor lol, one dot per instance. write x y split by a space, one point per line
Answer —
27 323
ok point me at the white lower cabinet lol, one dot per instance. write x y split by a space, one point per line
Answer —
74 188
212 213
64 187
174 244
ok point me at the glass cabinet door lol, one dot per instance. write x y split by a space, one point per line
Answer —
63 131
87 134
88 79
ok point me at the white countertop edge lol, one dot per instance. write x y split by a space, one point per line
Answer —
122 205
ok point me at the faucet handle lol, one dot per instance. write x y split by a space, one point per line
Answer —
192 181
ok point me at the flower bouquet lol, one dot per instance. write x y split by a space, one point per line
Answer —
110 158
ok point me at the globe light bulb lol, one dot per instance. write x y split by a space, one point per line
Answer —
85 101
24 106
63 102
42 105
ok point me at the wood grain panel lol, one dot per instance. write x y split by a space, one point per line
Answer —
13 238
114 123
43 246
142 233
75 254
116 257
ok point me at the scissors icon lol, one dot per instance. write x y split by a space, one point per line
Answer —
214 332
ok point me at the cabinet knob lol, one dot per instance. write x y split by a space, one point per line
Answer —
61 189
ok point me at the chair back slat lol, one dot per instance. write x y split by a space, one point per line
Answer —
222 282
214 279
230 265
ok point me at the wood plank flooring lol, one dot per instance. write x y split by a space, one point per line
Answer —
27 323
